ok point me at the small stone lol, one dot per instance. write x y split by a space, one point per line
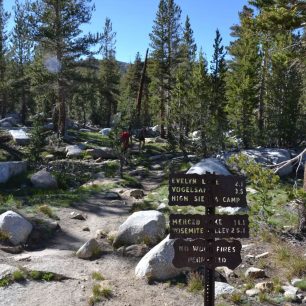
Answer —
86 229
247 246
111 196
162 207
295 281
249 257
263 255
90 249
228 273
49 157
252 292
290 292
156 167
264 286
137 193
251 190
77 216
100 234
255 273
223 288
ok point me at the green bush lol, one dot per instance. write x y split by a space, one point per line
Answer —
262 179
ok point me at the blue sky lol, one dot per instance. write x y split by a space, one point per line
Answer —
133 20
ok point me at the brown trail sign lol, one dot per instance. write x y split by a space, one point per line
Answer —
201 253
208 190
208 226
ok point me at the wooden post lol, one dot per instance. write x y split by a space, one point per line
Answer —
209 286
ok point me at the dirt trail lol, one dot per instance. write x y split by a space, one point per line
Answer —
60 258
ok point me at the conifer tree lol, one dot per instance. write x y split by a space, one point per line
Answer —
3 60
218 96
130 87
243 78
56 29
165 39
201 113
21 49
182 106
109 74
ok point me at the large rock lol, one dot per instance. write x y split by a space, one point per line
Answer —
209 165
17 227
105 131
20 137
103 152
141 227
268 156
44 180
90 249
73 151
157 263
10 169
8 122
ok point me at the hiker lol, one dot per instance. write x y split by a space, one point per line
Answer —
124 138
142 138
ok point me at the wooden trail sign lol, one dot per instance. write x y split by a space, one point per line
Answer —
201 253
208 190
208 226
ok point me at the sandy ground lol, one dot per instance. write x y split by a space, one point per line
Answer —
60 258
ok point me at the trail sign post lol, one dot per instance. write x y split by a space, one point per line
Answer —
200 249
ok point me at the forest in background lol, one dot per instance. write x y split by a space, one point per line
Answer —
253 89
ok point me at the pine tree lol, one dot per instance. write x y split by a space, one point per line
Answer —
21 50
130 88
109 74
182 105
56 29
218 96
280 81
243 79
3 60
201 110
165 39
86 93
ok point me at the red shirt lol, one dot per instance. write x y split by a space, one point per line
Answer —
125 139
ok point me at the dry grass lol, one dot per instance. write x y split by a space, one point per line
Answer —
46 210
294 264
195 283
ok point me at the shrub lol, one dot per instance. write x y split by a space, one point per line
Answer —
262 179
45 209
195 282
18 276
97 276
